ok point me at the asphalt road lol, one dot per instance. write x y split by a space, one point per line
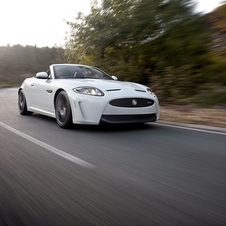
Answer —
90 175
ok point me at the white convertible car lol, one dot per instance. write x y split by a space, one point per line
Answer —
80 94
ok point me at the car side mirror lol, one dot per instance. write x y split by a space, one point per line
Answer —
114 77
42 75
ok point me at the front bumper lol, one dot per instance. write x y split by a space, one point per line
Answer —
96 110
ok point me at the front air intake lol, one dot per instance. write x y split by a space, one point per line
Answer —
132 102
118 119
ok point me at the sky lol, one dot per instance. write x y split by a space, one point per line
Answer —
42 22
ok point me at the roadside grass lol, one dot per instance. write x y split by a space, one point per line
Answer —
211 116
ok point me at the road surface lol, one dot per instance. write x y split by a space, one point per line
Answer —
89 175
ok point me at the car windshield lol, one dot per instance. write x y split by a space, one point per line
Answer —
79 72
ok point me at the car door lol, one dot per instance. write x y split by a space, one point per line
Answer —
38 89
50 92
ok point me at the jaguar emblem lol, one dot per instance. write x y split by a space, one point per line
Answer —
134 102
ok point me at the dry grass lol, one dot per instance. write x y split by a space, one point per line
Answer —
194 115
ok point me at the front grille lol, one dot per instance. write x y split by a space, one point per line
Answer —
116 119
132 102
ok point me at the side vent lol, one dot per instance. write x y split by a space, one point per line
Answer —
139 90
111 90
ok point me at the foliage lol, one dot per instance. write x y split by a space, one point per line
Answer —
164 44
217 26
17 62
123 27
217 19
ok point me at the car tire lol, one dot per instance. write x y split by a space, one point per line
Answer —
22 104
63 110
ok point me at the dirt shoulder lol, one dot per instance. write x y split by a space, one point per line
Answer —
194 115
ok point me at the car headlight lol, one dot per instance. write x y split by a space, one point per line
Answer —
88 91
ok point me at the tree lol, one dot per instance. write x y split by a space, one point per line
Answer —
18 61
144 40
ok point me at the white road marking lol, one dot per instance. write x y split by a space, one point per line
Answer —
193 129
50 148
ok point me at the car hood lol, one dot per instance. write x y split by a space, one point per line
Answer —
104 85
